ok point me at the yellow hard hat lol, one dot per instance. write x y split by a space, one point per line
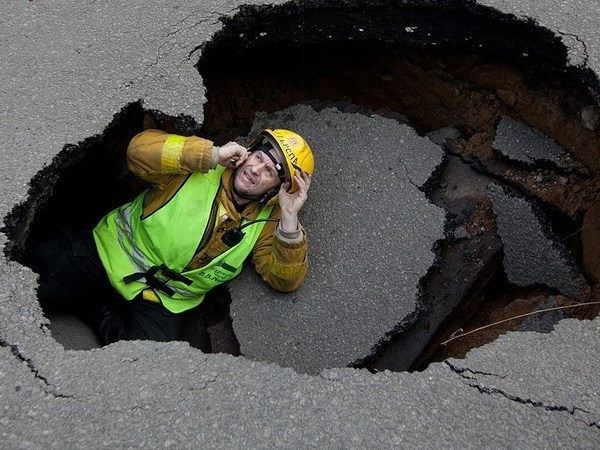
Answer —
295 150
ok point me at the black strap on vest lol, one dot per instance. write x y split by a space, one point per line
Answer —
155 283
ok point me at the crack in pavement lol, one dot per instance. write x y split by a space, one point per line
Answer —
422 189
47 386
212 19
461 370
408 176
473 382
581 42
205 384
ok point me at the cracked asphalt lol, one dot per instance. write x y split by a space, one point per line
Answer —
368 251
67 68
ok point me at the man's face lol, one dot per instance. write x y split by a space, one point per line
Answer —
257 175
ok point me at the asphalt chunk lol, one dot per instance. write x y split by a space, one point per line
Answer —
371 232
533 254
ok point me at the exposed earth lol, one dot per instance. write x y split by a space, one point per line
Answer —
459 101
470 95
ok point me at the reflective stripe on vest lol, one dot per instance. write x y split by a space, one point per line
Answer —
142 267
162 244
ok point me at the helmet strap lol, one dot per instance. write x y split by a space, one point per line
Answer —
269 195
266 149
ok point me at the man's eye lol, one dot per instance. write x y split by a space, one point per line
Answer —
268 168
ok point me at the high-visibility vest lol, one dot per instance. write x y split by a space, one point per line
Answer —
152 252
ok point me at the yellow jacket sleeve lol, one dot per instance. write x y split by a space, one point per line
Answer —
156 156
281 264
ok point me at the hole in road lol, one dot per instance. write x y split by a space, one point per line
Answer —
462 72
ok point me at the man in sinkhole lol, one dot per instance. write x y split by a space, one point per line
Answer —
207 209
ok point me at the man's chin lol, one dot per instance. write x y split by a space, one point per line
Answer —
242 189
244 192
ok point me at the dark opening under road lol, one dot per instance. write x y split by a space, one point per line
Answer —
464 77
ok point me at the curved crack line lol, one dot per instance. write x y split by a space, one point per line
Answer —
581 42
212 19
406 171
462 370
48 387
220 16
473 382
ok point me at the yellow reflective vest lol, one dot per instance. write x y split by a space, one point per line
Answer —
152 252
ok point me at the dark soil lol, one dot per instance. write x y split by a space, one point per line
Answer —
433 90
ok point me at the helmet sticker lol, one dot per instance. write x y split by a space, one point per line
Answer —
287 149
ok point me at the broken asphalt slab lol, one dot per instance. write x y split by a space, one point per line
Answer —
151 394
371 234
533 254
64 77
517 141
544 323
467 258
521 364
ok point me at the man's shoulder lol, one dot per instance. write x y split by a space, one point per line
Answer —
213 176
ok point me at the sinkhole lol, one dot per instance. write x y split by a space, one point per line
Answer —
517 126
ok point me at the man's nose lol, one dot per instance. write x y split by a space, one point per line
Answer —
259 167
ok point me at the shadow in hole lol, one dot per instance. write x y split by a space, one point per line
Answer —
83 183
207 327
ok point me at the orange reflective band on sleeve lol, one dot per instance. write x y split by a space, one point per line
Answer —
171 152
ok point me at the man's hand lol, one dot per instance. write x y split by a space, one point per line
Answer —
291 204
232 155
